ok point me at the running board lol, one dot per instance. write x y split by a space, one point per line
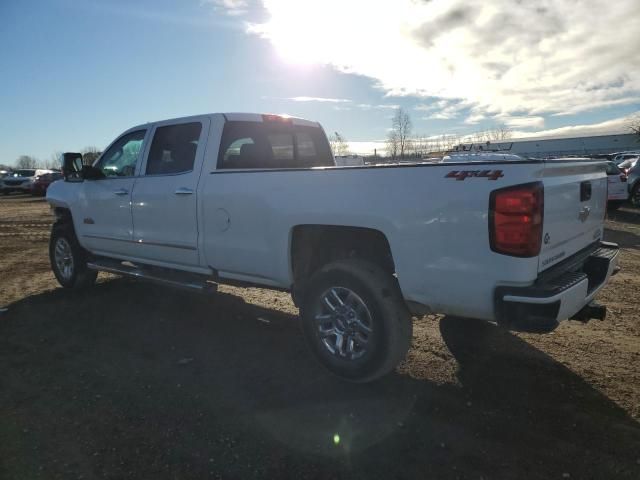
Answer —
163 276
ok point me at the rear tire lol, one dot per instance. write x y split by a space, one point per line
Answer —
355 320
68 259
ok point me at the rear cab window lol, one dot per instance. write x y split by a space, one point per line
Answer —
269 145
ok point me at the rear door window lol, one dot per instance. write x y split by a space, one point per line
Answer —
173 149
263 145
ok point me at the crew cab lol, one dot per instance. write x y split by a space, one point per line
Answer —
258 200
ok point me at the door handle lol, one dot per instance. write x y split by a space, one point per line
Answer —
121 191
183 191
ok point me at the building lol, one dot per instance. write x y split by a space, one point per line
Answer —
545 147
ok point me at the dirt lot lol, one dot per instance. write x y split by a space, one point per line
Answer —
131 380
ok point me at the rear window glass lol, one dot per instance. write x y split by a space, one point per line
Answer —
263 145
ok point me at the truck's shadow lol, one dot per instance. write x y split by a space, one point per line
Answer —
131 380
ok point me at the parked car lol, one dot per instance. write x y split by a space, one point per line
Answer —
633 184
627 164
257 200
622 156
42 182
21 180
617 186
602 156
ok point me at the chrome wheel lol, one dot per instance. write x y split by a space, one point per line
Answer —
64 258
344 323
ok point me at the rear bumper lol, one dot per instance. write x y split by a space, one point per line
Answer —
557 297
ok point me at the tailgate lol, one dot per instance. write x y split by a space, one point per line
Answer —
575 202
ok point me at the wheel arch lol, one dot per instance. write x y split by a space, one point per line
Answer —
315 245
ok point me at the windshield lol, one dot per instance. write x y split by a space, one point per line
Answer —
24 173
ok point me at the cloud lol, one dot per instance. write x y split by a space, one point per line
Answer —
319 99
230 7
443 109
363 106
368 106
617 125
497 56
522 122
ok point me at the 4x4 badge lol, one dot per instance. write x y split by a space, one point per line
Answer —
460 175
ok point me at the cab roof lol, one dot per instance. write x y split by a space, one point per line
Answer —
239 117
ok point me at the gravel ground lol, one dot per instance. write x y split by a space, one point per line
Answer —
130 380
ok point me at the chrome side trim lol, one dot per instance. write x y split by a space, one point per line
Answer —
143 242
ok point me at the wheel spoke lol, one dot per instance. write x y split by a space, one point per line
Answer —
362 326
335 295
329 304
340 344
324 317
327 332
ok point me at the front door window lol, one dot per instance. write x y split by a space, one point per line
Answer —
121 158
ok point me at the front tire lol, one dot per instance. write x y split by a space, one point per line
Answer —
355 320
68 259
634 198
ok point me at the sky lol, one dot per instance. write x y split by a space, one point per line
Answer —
76 73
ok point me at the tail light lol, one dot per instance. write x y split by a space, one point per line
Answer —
623 178
515 220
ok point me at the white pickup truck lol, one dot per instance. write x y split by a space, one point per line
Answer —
257 199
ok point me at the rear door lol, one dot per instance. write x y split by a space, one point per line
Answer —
575 201
163 205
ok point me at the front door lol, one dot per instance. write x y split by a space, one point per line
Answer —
103 219
164 206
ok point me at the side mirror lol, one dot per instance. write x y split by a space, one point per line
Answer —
72 166
89 172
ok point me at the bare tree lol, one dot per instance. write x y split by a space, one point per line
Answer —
634 125
401 130
26 161
392 145
420 145
54 161
498 133
339 145
90 155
